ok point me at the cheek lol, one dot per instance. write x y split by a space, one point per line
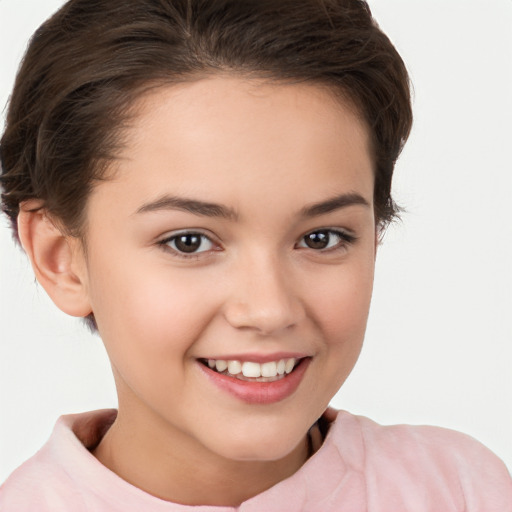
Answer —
342 303
153 310
148 321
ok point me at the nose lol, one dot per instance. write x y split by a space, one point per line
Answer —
263 297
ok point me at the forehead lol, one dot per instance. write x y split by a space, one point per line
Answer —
251 107
241 138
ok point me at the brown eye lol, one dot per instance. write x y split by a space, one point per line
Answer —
188 243
317 239
327 239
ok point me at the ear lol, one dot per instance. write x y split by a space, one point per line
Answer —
56 258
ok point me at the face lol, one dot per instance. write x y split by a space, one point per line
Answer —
238 230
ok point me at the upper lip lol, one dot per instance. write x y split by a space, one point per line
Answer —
258 358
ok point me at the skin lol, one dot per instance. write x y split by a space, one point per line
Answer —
265 151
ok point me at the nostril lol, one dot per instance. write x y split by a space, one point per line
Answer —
266 319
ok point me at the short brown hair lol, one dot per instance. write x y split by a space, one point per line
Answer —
88 63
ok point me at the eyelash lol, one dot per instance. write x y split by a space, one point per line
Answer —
345 237
175 252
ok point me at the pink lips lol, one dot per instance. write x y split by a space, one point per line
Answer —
259 392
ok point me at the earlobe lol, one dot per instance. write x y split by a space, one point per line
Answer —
56 260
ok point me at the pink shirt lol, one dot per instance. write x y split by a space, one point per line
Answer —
361 466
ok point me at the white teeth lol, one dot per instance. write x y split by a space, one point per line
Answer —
269 369
250 369
221 365
234 367
290 363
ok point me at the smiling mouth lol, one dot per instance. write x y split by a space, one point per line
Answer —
250 371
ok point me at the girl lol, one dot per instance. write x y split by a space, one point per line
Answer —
205 182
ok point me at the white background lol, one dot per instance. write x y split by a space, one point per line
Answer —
439 342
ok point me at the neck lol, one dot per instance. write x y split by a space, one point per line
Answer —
173 467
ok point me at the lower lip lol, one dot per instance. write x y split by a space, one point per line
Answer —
259 392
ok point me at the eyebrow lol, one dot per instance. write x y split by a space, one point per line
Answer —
189 205
207 209
333 204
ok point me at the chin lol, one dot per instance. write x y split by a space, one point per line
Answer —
259 454
260 445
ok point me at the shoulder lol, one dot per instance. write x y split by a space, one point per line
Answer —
439 463
53 478
39 484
